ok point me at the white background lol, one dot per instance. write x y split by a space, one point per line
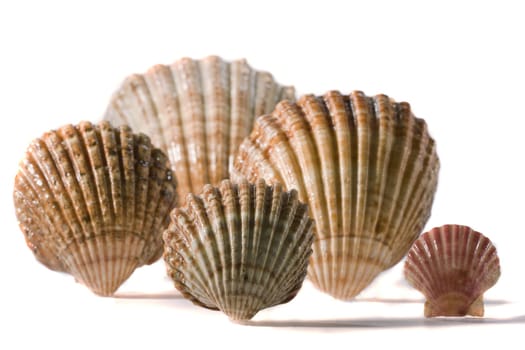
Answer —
459 64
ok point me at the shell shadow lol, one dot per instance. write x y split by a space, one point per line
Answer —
167 295
385 322
419 301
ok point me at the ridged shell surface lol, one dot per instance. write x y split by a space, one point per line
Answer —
366 167
239 248
452 266
198 111
93 200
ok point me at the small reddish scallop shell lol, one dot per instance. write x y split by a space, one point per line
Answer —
92 201
239 248
452 266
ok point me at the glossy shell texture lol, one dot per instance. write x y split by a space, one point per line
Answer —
239 248
93 200
366 167
198 112
452 266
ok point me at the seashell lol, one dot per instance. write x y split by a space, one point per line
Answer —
452 266
239 248
92 201
366 167
198 112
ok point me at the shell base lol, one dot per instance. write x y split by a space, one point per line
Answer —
343 266
454 304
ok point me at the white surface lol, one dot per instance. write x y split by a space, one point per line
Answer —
461 66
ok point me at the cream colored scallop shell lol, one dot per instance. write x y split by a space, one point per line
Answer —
366 167
452 266
239 248
198 111
92 201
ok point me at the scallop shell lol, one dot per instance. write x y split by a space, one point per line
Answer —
239 248
198 111
366 167
452 266
93 200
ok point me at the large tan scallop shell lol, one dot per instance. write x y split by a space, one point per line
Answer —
239 248
367 169
452 266
198 111
92 201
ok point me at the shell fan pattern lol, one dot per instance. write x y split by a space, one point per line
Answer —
366 167
198 112
239 248
93 200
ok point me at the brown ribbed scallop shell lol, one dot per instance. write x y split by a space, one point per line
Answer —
198 112
93 200
239 248
366 167
452 266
